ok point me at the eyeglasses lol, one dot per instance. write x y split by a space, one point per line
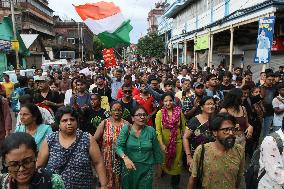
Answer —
228 129
141 115
127 91
26 163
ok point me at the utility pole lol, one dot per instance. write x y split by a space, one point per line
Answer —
82 42
15 32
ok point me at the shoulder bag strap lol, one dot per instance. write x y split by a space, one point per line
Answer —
280 100
200 168
62 167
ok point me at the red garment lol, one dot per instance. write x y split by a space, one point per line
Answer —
147 104
119 95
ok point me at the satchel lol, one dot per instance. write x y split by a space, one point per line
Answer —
199 179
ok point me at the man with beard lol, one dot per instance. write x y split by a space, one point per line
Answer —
148 102
222 161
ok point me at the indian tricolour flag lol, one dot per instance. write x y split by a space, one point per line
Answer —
106 21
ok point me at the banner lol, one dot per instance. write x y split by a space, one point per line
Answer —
201 42
264 40
109 58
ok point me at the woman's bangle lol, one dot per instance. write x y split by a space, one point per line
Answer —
123 157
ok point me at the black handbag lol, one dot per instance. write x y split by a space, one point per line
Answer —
198 183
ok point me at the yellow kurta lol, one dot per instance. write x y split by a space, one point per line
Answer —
163 135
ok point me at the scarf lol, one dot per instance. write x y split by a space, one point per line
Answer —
173 126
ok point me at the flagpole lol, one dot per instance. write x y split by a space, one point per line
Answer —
118 53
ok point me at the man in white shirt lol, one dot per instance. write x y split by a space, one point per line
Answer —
272 162
184 75
278 106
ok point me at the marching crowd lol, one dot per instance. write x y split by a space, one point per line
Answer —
125 125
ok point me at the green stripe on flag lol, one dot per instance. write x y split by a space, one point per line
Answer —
119 36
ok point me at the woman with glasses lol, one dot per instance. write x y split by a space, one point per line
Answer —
32 123
170 125
18 154
71 153
197 131
107 134
233 105
138 147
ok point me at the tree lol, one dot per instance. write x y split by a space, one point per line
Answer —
98 46
151 46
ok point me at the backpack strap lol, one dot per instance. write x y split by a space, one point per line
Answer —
278 140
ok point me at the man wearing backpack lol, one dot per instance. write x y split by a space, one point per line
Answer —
271 170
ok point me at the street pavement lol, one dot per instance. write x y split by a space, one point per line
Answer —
165 181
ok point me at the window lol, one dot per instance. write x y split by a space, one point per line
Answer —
71 40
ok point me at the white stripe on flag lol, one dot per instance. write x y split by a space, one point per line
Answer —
109 24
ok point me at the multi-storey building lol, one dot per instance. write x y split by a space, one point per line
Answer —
230 25
154 15
72 36
32 16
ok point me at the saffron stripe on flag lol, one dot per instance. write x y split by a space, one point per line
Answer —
97 11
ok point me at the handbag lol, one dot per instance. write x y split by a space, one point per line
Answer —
63 166
198 183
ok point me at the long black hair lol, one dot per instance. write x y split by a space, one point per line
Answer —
33 109
233 99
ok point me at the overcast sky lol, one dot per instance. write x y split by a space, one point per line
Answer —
135 10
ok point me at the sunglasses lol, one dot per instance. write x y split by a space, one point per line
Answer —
141 115
127 91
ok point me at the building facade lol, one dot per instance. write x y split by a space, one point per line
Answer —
72 36
32 16
154 16
230 25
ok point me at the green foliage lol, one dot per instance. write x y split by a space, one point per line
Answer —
151 46
98 46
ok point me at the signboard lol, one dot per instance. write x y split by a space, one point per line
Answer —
109 58
201 42
264 40
15 45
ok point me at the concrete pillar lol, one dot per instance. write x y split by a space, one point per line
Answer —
211 50
231 48
185 52
177 54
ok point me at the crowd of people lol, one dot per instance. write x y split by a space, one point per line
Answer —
124 125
